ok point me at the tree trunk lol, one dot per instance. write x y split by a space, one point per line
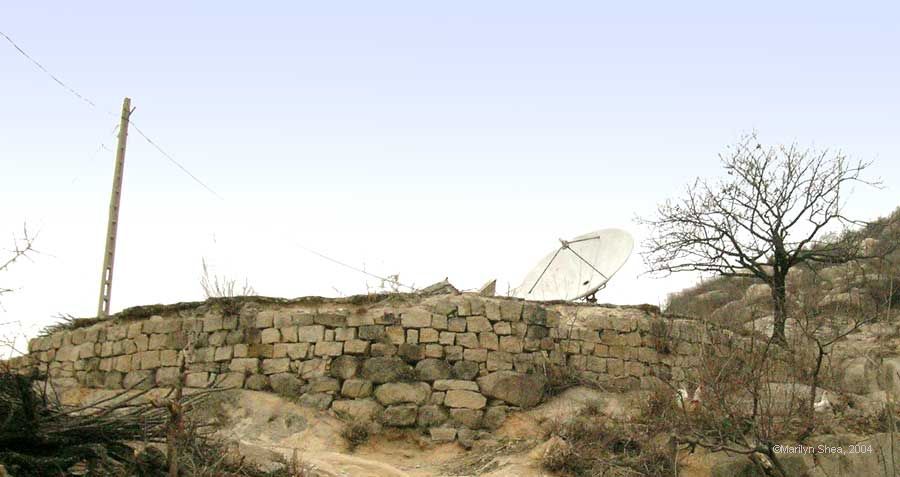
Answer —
779 304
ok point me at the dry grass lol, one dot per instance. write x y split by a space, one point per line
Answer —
589 443
356 433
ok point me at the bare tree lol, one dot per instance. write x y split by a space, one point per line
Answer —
764 218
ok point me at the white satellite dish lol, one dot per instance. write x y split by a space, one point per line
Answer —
579 268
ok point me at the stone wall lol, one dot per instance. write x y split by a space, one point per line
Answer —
451 363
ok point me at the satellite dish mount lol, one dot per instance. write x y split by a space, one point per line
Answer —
579 268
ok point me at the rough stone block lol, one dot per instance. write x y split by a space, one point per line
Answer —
395 393
411 352
492 310
216 338
265 319
477 324
270 335
197 380
453 353
383 349
359 410
258 350
456 325
478 355
323 384
311 333
372 332
286 384
447 338
224 353
316 400
149 359
412 337
523 390
167 377
448 384
428 335
331 320
212 323
434 350
431 415
344 367
400 415
494 417
439 322
442 434
356 347
257 382
431 369
461 398
416 318
356 388
138 379
276 365
470 418
344 334
488 340
244 365
288 334
387 369
329 348
467 340
511 310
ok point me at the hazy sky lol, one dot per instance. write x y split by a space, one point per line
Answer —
428 140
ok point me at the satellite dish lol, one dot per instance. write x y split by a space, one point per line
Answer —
578 268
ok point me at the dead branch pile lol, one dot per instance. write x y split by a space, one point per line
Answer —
39 436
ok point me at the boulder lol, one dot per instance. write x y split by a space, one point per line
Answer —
470 418
344 367
257 382
357 409
400 415
431 416
387 369
494 417
316 400
519 389
465 370
286 384
758 292
432 369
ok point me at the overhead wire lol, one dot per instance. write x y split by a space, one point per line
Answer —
171 159
93 105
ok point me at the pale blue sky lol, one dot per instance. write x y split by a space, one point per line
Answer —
428 140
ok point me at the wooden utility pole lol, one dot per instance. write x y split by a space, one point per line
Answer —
112 226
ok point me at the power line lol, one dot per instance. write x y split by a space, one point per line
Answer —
94 105
173 161
51 75
351 267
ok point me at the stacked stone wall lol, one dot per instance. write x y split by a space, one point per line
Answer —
451 363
